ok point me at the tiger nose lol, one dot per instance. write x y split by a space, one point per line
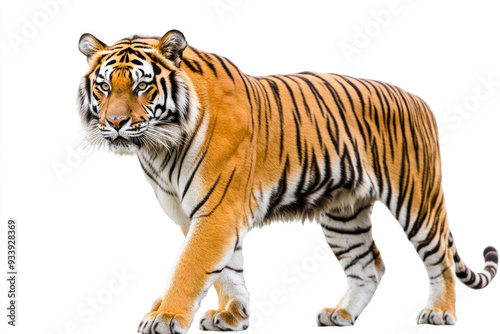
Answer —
117 121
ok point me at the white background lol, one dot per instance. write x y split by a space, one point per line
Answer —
99 217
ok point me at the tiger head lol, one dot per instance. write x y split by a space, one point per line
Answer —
135 95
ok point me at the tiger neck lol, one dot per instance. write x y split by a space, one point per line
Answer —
216 84
214 77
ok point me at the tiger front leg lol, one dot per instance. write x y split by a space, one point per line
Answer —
232 314
348 233
207 250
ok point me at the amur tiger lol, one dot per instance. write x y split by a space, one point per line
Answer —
226 152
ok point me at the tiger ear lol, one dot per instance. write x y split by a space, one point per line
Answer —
171 46
89 45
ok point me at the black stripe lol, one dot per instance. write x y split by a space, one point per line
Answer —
226 267
318 133
388 200
355 277
156 68
187 148
404 178
314 173
347 250
192 67
462 274
479 284
162 107
175 115
347 170
155 181
355 231
277 99
222 198
188 183
409 207
255 97
299 193
441 259
349 218
376 166
359 257
359 167
204 56
298 137
174 163
136 61
221 60
335 141
278 194
432 251
471 279
207 196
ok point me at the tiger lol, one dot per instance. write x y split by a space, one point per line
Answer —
226 152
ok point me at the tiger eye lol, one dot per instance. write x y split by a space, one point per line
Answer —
105 86
142 86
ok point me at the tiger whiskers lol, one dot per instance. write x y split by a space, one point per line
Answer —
158 136
151 144
94 138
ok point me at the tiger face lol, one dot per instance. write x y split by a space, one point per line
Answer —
135 96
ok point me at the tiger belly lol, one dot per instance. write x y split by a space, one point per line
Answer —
309 193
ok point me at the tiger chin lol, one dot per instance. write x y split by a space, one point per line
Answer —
226 152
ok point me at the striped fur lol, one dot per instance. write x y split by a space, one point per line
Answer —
225 152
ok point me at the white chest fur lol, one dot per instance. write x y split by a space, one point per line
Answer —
165 190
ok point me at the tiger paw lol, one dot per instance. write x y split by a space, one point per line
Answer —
233 318
335 317
435 316
156 322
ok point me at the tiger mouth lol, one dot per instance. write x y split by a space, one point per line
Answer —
122 142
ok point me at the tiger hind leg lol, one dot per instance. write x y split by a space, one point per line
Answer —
232 314
438 260
428 231
348 233
440 308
